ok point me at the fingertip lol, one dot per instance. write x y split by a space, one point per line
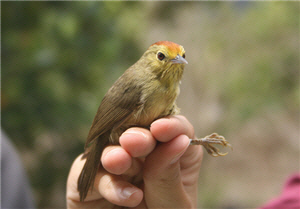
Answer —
166 154
116 160
160 129
132 195
166 129
182 145
119 192
138 142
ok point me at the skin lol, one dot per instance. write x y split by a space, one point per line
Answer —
147 170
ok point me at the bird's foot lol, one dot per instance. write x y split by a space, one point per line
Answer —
208 142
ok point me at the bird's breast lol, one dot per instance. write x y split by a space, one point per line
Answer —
157 103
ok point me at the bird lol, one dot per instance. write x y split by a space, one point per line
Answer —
144 93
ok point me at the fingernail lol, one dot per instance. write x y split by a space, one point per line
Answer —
162 120
178 156
127 192
131 131
113 151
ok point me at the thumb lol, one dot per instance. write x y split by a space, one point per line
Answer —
162 177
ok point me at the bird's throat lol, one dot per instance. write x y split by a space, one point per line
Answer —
171 76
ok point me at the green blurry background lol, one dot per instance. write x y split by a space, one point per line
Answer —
242 81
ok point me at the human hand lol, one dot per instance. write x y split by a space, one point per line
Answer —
140 174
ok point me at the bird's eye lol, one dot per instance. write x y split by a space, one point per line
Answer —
183 55
160 56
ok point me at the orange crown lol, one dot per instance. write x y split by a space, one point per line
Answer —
173 48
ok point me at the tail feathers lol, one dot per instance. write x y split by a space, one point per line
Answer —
91 166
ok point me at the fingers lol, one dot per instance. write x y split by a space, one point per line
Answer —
117 191
135 142
138 142
173 164
165 129
116 160
162 174
165 155
109 189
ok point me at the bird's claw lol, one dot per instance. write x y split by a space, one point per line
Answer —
208 142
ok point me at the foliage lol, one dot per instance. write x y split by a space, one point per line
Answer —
59 59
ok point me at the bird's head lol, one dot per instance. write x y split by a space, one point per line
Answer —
166 59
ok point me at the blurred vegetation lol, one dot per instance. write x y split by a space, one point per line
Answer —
59 59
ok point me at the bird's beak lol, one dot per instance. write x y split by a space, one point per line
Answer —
179 60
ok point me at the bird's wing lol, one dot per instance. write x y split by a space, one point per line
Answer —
117 105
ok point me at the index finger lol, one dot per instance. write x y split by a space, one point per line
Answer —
166 129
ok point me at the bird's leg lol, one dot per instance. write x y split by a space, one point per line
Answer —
208 142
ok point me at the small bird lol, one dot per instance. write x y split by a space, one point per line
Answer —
145 92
